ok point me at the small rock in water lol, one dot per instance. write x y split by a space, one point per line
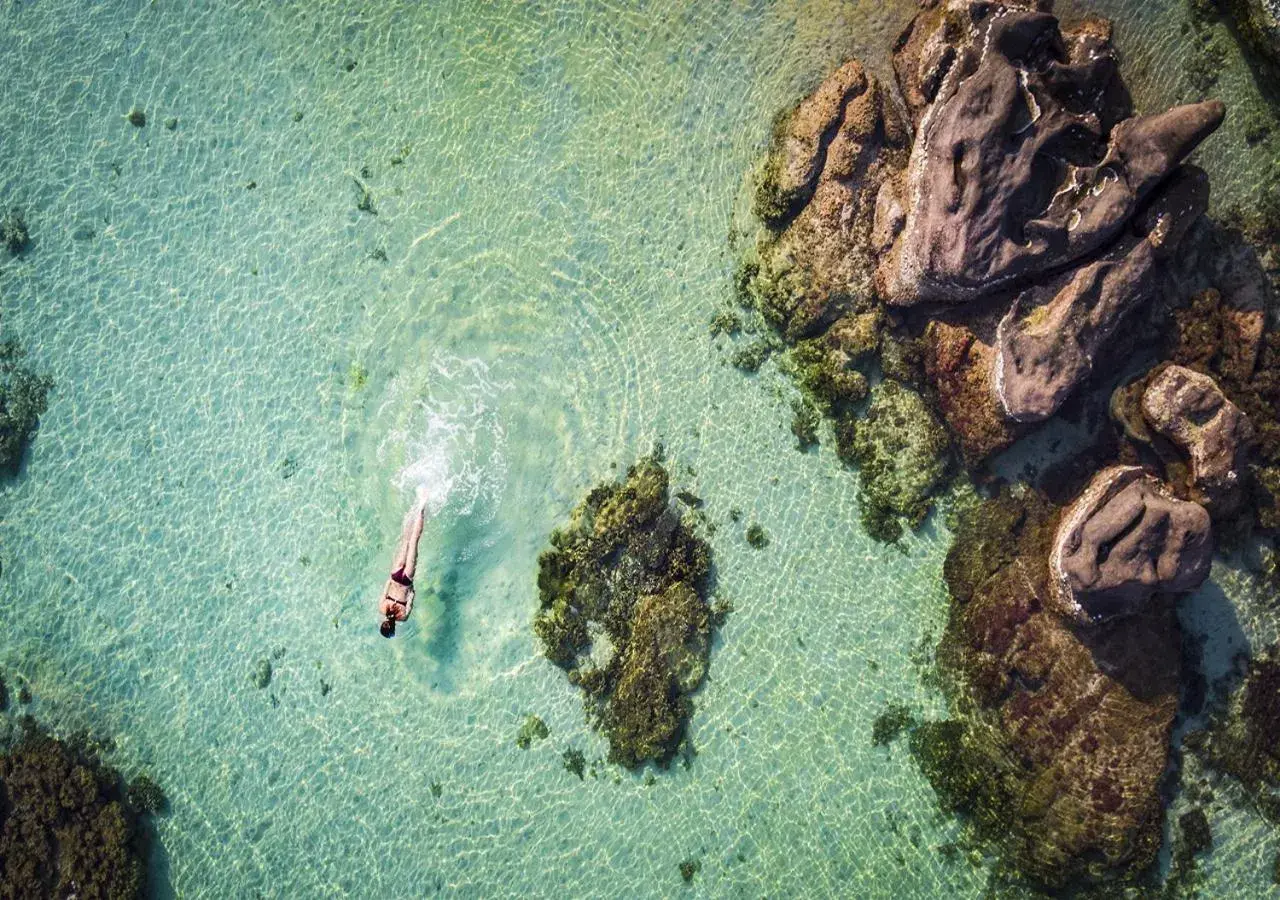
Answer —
136 117
756 536
533 729
575 762
689 868
13 232
262 674
1190 410
171 123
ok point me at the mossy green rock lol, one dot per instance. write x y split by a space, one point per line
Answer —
624 610
902 452
1258 21
533 729
66 828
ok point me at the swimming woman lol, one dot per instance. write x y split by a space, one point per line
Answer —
397 596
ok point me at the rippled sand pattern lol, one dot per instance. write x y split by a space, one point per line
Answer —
253 375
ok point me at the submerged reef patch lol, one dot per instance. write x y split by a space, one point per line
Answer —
1243 737
1060 735
13 232
624 611
24 398
68 826
902 453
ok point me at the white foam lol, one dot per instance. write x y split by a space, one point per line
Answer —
444 436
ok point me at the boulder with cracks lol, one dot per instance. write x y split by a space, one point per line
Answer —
1125 539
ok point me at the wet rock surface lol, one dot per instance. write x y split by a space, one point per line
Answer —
1062 736
1189 409
1124 540
1046 343
1025 158
624 611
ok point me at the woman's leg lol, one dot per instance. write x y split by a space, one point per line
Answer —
415 535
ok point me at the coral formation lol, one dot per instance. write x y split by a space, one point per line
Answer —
902 452
23 400
67 826
13 232
623 609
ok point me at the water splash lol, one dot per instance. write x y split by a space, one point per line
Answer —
445 440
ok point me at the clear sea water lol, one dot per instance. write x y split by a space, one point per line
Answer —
254 376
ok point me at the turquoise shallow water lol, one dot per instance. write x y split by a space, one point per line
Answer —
253 376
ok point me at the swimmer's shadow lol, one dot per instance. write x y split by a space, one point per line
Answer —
468 555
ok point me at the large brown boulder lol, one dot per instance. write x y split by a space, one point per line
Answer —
1024 160
1125 539
1189 409
1067 728
1047 342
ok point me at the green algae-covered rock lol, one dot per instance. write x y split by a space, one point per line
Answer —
66 827
624 610
23 400
1059 738
533 729
1258 22
902 452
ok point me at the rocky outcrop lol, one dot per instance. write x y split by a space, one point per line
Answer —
1024 160
1028 176
1124 540
1065 730
624 611
1029 201
1189 409
1046 343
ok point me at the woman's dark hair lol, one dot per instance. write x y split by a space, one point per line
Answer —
388 627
